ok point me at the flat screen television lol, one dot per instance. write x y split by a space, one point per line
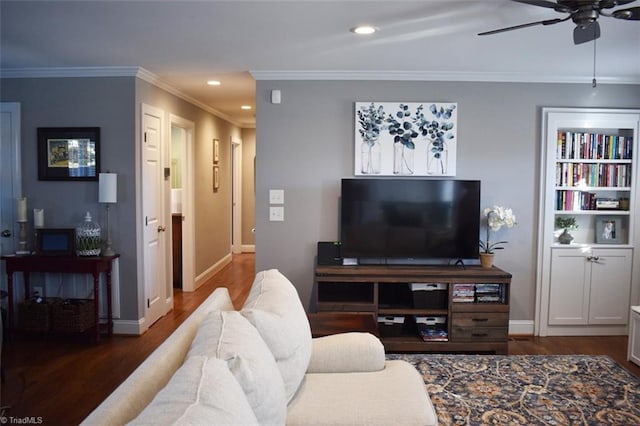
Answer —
409 219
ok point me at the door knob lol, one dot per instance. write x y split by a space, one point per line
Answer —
161 229
6 233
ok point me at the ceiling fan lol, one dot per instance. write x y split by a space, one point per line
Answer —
584 13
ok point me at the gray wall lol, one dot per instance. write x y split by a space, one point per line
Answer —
75 102
113 104
306 145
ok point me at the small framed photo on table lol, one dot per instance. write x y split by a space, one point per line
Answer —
609 230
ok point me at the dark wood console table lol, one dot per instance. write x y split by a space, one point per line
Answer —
94 265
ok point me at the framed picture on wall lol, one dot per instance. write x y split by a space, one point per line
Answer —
609 230
216 178
216 151
68 153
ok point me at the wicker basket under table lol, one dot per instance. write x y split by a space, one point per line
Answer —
73 316
34 316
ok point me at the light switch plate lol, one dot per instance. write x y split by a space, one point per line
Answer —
276 214
276 196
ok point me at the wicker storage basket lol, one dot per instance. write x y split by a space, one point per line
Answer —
73 316
33 316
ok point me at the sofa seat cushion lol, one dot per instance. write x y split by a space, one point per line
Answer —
393 396
194 395
274 308
230 337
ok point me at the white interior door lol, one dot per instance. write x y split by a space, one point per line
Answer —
10 181
154 226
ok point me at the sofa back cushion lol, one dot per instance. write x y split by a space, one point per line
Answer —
202 390
230 337
274 308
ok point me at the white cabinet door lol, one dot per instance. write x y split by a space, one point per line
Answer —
569 288
610 286
590 287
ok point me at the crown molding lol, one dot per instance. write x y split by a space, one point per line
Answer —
437 76
57 72
139 72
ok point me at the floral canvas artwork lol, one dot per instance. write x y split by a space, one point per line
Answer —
405 138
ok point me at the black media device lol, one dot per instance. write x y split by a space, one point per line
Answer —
407 220
329 253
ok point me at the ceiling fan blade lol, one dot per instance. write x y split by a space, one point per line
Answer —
631 14
530 24
608 4
548 4
586 33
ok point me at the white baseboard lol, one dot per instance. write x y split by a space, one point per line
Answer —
248 248
130 327
521 327
214 269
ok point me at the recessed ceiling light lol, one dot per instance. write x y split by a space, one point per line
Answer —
363 29
245 107
213 83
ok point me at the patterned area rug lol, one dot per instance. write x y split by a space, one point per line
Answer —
529 389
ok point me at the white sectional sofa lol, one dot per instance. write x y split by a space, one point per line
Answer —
260 366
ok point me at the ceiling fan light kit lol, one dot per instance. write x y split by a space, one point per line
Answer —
583 13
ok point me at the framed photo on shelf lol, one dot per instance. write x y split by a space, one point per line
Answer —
68 153
609 230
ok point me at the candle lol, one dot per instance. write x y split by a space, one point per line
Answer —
22 209
38 218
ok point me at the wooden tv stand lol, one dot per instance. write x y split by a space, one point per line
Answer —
455 300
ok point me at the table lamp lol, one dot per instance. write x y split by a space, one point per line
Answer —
108 194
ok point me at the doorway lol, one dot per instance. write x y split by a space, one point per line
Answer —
236 195
182 204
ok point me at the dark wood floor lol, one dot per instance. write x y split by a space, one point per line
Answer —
63 380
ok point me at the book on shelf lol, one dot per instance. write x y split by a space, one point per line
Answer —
596 146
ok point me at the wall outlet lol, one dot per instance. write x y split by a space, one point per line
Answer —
39 291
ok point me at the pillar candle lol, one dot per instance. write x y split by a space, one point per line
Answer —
38 218
22 209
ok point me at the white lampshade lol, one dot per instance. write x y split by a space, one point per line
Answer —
107 188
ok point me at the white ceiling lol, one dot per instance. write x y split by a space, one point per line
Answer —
184 43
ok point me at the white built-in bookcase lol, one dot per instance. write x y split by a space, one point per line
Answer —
589 171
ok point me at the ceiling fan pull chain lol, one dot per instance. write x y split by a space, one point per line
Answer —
593 82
